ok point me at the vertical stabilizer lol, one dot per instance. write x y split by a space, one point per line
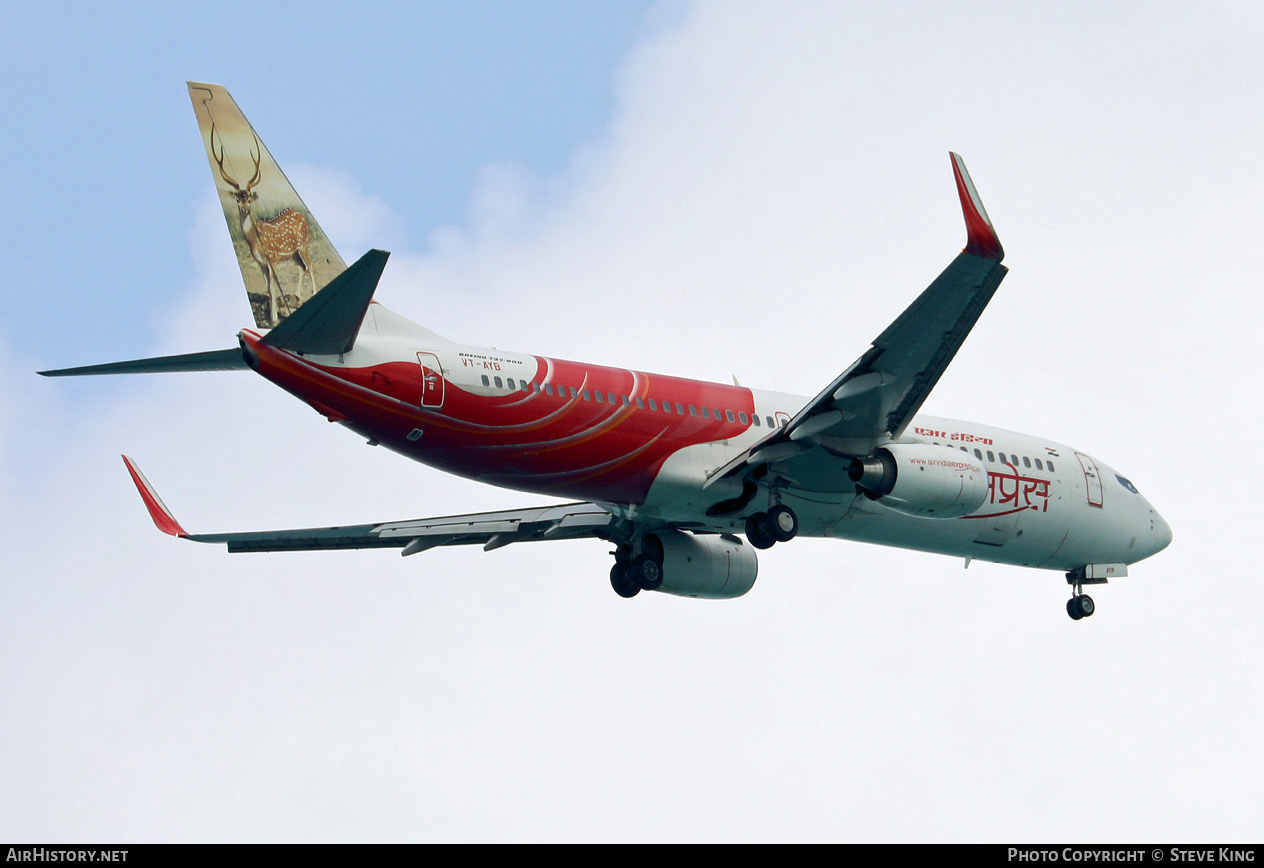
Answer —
284 256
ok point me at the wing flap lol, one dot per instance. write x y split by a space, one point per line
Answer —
489 529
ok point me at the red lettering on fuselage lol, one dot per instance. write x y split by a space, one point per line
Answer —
956 436
1016 492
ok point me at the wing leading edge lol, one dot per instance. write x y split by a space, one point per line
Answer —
491 530
874 400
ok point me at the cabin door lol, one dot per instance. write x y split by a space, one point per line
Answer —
1092 479
431 380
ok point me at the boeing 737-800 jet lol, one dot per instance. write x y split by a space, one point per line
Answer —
672 472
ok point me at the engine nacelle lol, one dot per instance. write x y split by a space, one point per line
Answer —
708 567
922 480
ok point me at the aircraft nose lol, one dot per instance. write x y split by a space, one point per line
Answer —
1160 532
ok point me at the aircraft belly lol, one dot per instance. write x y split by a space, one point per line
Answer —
1015 539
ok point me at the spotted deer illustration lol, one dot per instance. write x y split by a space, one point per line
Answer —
272 240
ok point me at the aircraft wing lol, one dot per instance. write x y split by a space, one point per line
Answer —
874 400
491 530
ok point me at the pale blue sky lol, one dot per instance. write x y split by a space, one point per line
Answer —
704 189
100 151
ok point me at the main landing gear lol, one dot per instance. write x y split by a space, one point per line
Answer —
779 524
633 573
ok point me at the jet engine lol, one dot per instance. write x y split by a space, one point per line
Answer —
922 480
708 567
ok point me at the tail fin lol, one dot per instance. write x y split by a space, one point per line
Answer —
283 254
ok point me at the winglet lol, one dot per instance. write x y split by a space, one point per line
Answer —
158 511
981 239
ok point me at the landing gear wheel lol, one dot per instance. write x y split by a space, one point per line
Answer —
782 523
646 572
757 532
1080 606
622 582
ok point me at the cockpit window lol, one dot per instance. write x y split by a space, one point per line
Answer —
1126 484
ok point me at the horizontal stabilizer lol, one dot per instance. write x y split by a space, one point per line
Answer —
215 360
327 324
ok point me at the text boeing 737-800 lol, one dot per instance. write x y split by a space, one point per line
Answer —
671 471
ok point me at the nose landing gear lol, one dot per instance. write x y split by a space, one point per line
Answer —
1080 605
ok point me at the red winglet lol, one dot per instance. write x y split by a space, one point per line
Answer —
981 239
158 511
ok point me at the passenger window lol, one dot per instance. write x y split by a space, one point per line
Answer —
653 406
535 387
600 399
499 384
1013 459
1049 464
768 419
640 404
693 411
548 389
587 397
610 396
728 414
755 419
680 409
625 400
741 417
1026 461
1039 466
990 456
785 422
978 454
486 382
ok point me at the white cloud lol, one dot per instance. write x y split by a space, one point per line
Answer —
773 190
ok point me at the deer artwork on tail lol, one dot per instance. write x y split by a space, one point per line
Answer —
271 240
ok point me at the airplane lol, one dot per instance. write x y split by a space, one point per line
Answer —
685 479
